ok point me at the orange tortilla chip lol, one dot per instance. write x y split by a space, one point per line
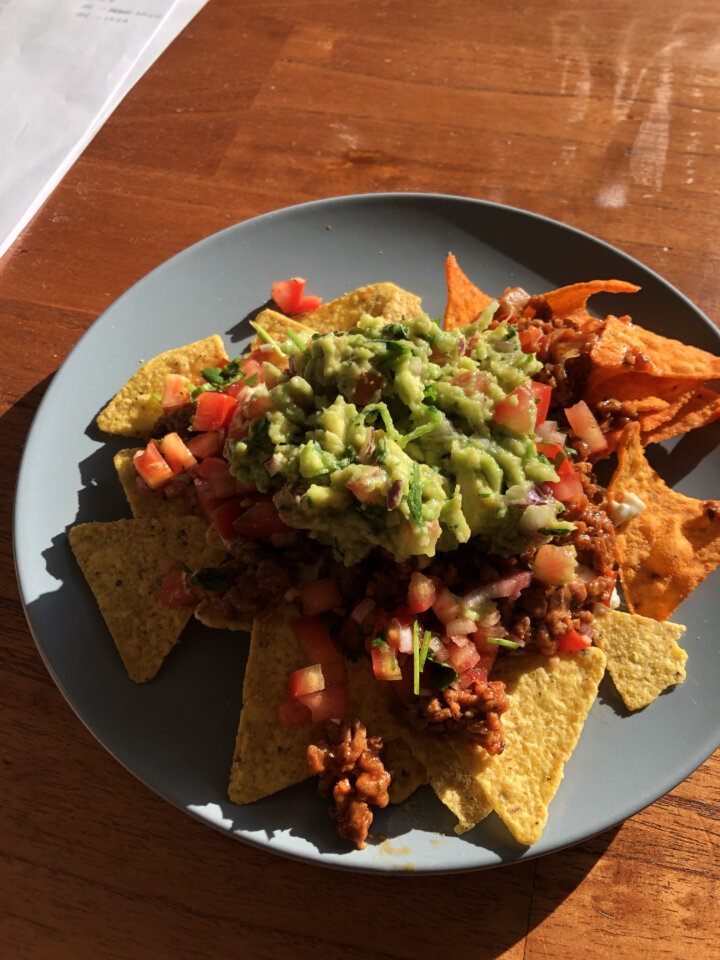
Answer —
668 549
700 408
465 301
625 347
571 301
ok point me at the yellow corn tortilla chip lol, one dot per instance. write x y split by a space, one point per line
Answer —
408 772
121 562
209 615
385 300
668 549
134 410
269 757
643 656
453 767
549 701
143 505
277 325
700 407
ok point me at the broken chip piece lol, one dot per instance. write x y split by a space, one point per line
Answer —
643 657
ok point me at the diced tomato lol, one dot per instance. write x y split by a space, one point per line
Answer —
328 704
223 484
293 711
223 517
319 596
203 470
288 294
152 466
367 487
463 658
178 456
557 456
554 565
208 444
309 302
314 639
307 680
213 411
176 392
582 420
541 393
385 663
422 592
175 590
250 366
517 411
256 406
572 642
488 655
260 521
568 488
471 382
530 339
238 390
446 606
335 673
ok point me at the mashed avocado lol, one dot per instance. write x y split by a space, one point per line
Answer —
385 436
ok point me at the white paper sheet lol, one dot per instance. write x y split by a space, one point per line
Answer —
64 67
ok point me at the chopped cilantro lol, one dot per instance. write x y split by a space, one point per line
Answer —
502 642
414 496
441 674
210 578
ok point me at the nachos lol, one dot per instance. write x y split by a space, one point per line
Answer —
406 514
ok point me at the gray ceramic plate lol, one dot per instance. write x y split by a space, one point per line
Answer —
177 733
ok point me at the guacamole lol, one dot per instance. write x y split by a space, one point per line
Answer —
391 435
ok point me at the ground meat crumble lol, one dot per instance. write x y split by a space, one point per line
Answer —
349 765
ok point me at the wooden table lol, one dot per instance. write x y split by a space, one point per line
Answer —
602 115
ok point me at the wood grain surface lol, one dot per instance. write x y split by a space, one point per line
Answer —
603 115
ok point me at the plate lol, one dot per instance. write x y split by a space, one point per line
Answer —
177 733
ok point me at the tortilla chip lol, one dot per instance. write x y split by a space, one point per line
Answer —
408 772
121 562
453 767
465 301
624 347
570 302
548 707
144 505
269 757
209 615
135 409
643 657
668 549
698 408
648 392
384 300
277 325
